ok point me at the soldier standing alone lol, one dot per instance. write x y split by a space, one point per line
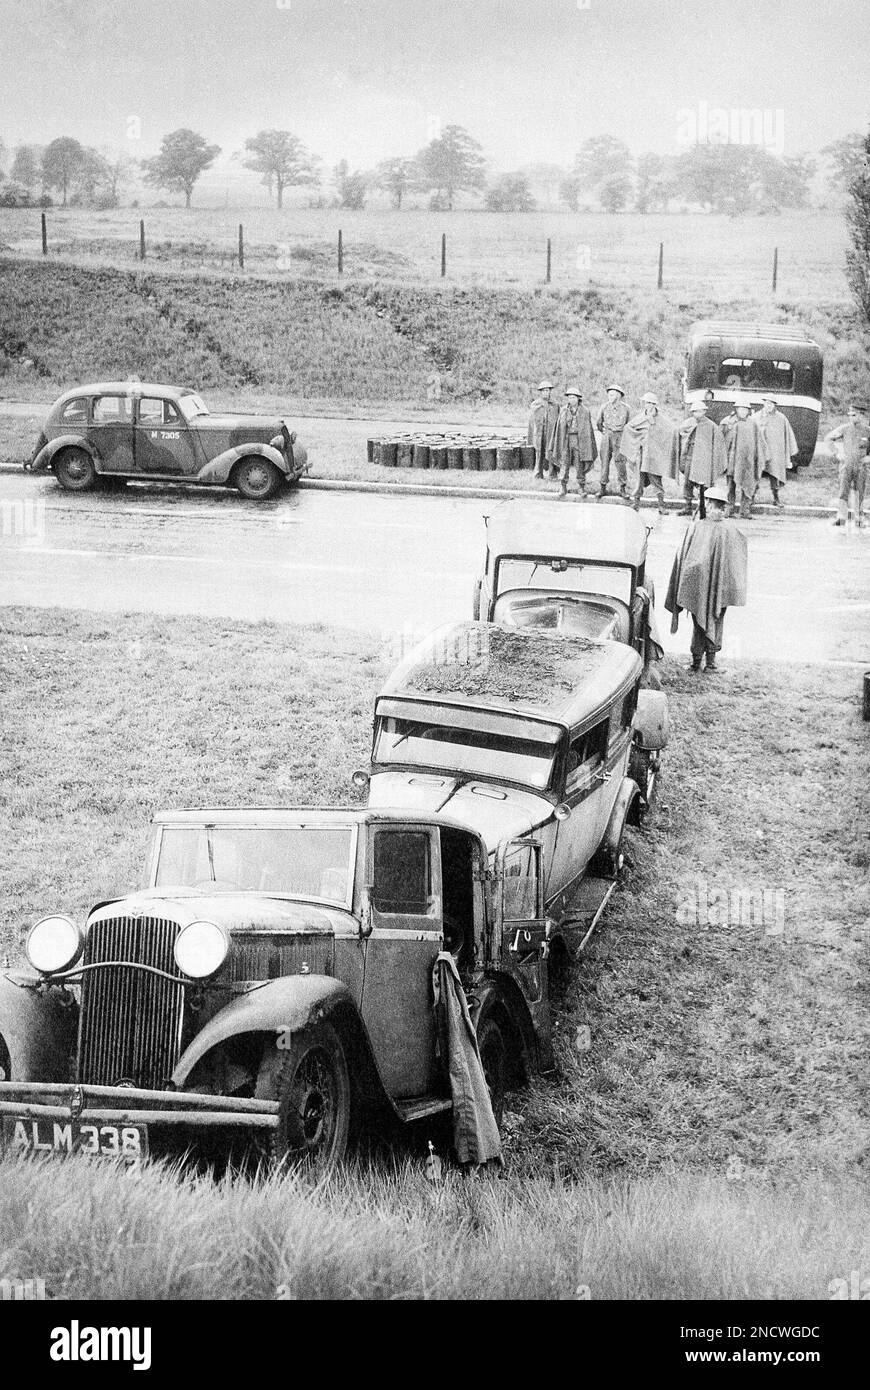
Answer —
853 439
612 420
542 429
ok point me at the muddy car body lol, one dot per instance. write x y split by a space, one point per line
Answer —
274 976
122 430
581 572
516 734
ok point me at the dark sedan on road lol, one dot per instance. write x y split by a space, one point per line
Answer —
121 430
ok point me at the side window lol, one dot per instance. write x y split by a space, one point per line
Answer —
402 872
155 411
112 410
75 412
586 751
520 885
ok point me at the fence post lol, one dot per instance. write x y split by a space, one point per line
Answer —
443 254
141 238
340 253
44 237
775 266
241 247
661 264
549 259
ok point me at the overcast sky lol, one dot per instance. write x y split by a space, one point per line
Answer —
363 80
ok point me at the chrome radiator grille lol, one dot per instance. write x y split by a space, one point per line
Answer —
130 1024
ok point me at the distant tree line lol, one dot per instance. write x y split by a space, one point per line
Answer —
722 178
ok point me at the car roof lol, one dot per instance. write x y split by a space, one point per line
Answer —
773 332
599 533
277 818
124 388
487 667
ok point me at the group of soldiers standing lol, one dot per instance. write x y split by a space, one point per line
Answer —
731 457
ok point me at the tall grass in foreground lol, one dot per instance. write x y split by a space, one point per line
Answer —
93 1233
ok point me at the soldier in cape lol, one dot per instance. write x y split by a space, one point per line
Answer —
701 455
747 455
575 441
648 442
708 577
542 429
780 444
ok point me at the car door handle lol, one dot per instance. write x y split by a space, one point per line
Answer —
603 775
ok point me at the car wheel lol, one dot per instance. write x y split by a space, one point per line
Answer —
74 470
257 479
493 1055
313 1093
643 769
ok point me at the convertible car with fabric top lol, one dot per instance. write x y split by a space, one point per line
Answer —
117 431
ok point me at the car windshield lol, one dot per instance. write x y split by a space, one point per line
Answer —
292 861
477 752
575 616
571 576
192 405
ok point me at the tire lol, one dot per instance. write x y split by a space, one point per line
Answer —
257 479
74 470
314 1102
493 1054
643 769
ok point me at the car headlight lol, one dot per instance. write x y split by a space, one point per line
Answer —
54 944
201 949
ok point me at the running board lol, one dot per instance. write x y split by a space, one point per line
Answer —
585 908
421 1106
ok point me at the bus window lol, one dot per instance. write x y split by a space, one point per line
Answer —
755 374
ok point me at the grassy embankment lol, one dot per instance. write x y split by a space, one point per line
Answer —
709 1143
310 346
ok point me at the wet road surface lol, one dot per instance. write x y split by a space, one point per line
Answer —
394 566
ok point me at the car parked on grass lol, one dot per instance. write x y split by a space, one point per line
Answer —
274 977
120 430
518 734
583 573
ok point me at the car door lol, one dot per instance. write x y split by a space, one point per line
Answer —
523 923
164 443
404 877
111 432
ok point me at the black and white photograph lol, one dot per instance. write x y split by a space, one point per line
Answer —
435 667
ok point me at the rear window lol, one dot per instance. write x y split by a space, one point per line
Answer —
756 374
75 412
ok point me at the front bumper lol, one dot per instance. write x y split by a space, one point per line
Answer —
123 1105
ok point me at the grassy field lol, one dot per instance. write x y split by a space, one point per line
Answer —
704 255
387 1233
309 342
711 1140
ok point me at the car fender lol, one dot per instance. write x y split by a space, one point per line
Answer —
651 720
501 995
625 797
46 455
39 1031
219 469
281 1008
